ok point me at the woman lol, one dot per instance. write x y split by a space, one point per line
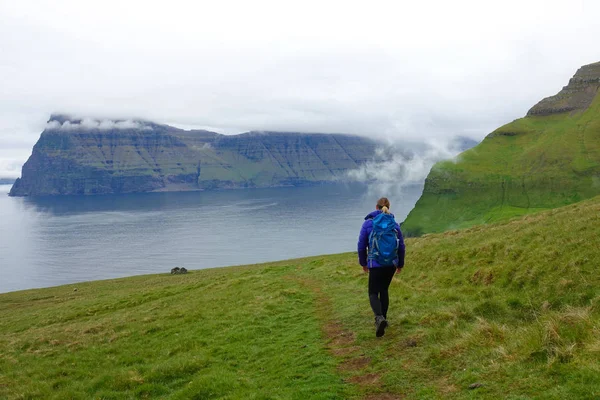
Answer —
381 267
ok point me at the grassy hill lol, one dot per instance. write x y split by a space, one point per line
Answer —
548 159
513 306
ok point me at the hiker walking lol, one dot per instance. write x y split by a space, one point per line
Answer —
380 253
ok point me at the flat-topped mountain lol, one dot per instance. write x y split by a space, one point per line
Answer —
91 156
547 159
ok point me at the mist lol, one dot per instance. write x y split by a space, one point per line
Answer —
402 165
102 125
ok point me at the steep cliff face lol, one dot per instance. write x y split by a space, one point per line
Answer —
75 156
576 96
547 159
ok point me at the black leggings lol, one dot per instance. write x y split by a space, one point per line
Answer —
379 282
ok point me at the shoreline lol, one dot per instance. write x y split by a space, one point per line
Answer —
168 272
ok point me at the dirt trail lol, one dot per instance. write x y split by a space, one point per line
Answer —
341 344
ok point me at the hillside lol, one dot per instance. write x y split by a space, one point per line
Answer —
512 306
85 156
547 159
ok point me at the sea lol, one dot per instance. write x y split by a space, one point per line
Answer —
50 241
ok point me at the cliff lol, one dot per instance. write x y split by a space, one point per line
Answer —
547 159
86 156
576 96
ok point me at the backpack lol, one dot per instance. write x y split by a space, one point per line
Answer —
383 240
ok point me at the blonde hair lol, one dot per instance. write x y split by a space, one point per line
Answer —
383 204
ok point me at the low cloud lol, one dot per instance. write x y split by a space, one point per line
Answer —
92 124
400 164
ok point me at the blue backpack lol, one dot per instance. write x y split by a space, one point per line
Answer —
383 240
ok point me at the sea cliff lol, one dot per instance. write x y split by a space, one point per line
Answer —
89 156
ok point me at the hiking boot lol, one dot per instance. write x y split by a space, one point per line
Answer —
380 325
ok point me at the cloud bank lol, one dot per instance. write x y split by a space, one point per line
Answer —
395 165
400 165
91 124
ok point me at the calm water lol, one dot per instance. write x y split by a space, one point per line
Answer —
55 240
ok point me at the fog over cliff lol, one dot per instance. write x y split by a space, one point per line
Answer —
395 69
400 164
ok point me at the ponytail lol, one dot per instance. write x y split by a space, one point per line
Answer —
383 204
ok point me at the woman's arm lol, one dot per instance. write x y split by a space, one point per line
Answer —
363 242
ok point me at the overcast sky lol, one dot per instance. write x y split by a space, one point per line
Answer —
419 69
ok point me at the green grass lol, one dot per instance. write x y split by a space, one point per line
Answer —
530 164
513 305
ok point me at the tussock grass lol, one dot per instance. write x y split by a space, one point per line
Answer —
513 306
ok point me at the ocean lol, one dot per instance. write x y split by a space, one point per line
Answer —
49 241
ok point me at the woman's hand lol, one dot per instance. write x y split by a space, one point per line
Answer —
366 269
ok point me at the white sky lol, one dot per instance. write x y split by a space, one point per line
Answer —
420 69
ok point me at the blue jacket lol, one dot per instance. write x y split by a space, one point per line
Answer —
363 243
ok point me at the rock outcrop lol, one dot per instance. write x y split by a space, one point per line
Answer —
576 96
86 156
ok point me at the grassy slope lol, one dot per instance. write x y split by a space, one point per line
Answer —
532 163
514 306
